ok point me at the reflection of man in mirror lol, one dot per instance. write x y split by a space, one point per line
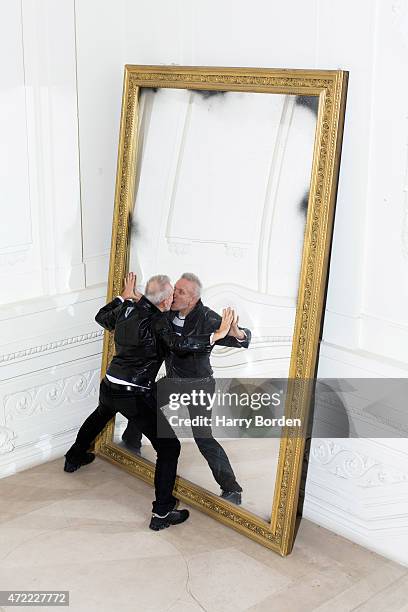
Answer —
141 329
189 317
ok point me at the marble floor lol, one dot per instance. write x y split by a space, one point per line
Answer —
87 533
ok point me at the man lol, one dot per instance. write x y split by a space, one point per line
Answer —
189 317
140 332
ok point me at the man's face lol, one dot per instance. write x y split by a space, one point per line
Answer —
184 295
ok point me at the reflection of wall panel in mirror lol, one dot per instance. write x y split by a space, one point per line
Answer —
232 174
216 190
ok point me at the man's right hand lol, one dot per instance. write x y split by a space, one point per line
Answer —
129 291
227 318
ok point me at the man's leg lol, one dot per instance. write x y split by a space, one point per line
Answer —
213 452
77 455
132 436
216 458
167 447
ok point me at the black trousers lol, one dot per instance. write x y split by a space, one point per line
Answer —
141 407
208 446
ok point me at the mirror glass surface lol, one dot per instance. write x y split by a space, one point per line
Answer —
222 191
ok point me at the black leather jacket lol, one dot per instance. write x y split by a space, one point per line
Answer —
201 320
143 334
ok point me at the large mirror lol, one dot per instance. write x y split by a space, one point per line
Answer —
228 177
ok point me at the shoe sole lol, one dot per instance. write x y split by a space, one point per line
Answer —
161 526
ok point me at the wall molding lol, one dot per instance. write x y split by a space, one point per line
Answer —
46 397
40 451
341 361
390 335
348 464
53 346
358 488
42 411
6 440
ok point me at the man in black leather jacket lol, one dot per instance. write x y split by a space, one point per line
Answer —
189 318
141 333
193 372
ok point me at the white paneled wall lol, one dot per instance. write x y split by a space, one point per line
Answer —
20 272
60 104
49 343
367 301
101 56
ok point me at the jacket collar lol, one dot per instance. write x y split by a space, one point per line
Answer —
148 305
192 317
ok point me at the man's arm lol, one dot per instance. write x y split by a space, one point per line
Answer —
202 343
234 342
107 316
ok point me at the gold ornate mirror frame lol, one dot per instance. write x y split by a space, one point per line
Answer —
330 87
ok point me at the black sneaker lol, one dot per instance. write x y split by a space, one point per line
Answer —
72 467
174 517
232 496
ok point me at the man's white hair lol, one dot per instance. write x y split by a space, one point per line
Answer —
193 278
158 288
